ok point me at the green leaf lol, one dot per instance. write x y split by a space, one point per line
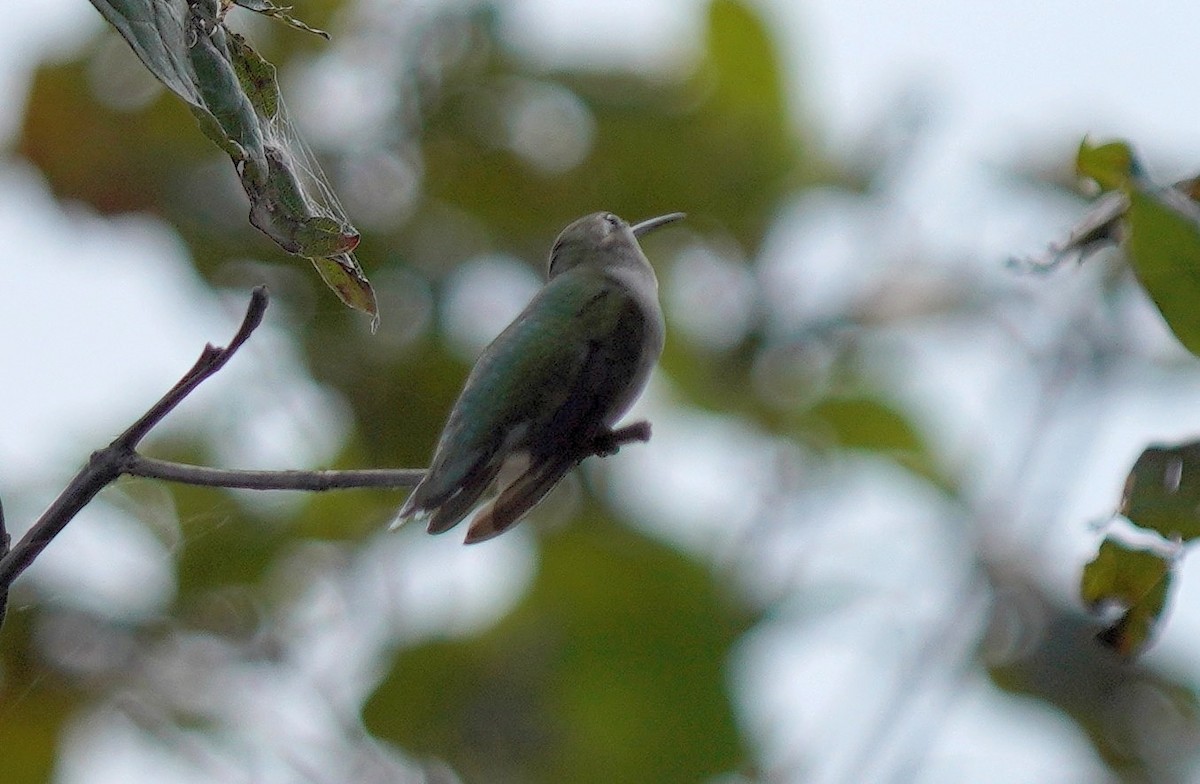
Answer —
343 276
1137 581
256 76
1111 165
1162 491
155 32
238 131
1164 249
235 97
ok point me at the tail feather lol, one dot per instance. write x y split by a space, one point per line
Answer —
516 498
444 507
452 510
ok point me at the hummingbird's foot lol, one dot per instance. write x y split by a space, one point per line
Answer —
609 442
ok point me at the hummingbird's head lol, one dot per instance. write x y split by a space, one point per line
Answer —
601 238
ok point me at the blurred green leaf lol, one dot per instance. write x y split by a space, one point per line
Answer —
1162 491
1164 249
29 727
1111 165
612 669
1162 226
743 60
719 144
863 423
1135 580
93 153
35 701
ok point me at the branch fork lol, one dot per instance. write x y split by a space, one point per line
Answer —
106 465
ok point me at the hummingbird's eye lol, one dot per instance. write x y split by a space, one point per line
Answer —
612 220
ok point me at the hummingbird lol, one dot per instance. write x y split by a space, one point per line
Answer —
547 392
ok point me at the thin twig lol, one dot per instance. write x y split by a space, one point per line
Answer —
316 481
211 360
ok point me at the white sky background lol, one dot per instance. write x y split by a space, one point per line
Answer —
88 347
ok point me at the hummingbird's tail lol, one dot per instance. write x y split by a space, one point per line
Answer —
443 503
517 497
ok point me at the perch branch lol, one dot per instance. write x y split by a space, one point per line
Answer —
135 464
315 481
121 457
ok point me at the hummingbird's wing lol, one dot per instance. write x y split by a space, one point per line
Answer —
534 402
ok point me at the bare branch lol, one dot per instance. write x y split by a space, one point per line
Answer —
100 470
211 360
315 481
107 464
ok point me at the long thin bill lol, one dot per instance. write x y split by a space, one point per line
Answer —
653 223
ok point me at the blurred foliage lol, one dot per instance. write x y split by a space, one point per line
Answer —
611 669
1164 248
1162 492
1161 228
1137 580
1162 498
1126 708
35 703
613 665
1111 164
